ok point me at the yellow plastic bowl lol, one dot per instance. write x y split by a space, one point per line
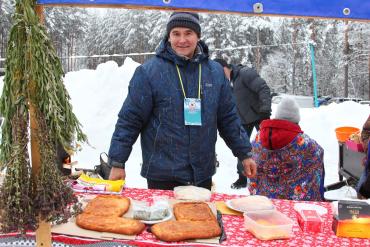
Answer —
344 132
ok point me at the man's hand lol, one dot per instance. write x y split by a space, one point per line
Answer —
117 174
250 168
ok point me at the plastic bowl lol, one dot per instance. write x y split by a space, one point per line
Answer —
344 132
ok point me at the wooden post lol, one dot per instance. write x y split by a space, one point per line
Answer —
43 232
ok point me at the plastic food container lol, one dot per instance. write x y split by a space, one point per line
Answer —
268 224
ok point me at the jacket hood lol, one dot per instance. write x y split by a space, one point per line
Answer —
277 133
165 51
235 70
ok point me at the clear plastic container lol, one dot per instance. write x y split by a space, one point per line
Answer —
268 224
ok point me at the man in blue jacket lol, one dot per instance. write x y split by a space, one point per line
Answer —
177 101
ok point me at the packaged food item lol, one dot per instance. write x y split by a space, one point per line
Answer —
353 209
352 228
352 219
268 224
87 183
160 209
141 210
354 146
191 192
309 220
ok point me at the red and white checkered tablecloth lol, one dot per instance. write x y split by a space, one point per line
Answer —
233 225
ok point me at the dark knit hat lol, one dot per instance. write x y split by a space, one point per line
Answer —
222 62
184 19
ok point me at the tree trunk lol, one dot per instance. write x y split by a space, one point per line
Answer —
346 52
294 40
2 43
67 54
73 61
258 55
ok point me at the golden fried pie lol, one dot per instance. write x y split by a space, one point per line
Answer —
104 214
112 224
193 211
108 205
183 230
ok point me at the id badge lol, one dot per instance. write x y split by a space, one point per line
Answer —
192 111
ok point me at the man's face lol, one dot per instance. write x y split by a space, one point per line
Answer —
183 41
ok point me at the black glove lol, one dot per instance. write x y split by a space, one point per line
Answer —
265 115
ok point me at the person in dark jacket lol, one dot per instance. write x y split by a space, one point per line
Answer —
290 163
177 101
364 190
253 100
363 186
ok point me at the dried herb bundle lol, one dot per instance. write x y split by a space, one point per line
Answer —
57 203
16 194
34 77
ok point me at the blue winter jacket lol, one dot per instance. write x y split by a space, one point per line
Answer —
154 108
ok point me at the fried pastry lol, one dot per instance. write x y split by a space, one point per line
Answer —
182 230
193 211
103 214
112 224
108 205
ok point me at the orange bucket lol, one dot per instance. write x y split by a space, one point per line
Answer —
343 133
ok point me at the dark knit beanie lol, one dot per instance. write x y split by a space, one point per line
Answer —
184 19
222 62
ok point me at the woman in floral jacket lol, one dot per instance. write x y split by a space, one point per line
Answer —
290 163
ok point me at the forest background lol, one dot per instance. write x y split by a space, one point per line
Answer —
278 48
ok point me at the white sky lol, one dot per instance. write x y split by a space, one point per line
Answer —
97 96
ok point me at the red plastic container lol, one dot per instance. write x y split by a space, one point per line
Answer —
309 220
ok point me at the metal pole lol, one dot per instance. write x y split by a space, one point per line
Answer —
314 75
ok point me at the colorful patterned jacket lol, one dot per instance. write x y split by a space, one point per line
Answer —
290 163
